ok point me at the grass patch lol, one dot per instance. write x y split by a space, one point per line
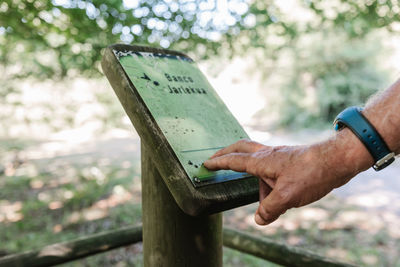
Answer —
57 208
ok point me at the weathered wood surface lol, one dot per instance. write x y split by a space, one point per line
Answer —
194 201
171 237
71 250
274 252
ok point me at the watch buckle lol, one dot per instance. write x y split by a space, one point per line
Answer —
386 160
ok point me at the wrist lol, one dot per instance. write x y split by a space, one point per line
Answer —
383 123
382 112
348 154
354 152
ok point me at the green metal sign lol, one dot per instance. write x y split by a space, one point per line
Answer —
188 111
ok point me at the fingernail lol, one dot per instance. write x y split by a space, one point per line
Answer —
259 220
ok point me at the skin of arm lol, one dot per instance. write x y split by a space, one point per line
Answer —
294 176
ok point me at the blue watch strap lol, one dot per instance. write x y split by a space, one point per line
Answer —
353 119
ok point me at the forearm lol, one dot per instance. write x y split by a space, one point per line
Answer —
344 152
383 111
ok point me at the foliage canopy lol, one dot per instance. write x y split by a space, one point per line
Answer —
60 37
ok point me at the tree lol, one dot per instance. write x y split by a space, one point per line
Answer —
60 37
63 38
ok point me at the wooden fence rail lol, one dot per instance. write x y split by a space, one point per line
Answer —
71 250
272 251
89 245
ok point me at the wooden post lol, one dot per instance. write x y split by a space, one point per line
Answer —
171 237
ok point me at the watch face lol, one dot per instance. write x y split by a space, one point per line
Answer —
338 125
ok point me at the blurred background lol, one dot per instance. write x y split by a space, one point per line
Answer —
70 158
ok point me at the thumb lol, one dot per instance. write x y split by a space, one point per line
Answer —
264 189
274 205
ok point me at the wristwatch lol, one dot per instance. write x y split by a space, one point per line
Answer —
353 119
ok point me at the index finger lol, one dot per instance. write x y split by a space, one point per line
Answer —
233 161
241 146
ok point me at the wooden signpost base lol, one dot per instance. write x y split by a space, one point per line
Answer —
171 237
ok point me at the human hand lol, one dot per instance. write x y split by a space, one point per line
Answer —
293 176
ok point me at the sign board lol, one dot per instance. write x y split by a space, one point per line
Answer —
194 120
180 117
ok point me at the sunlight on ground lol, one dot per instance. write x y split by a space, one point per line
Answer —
10 211
100 209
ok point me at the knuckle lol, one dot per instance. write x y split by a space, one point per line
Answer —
219 161
252 165
230 163
241 141
256 146
276 149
